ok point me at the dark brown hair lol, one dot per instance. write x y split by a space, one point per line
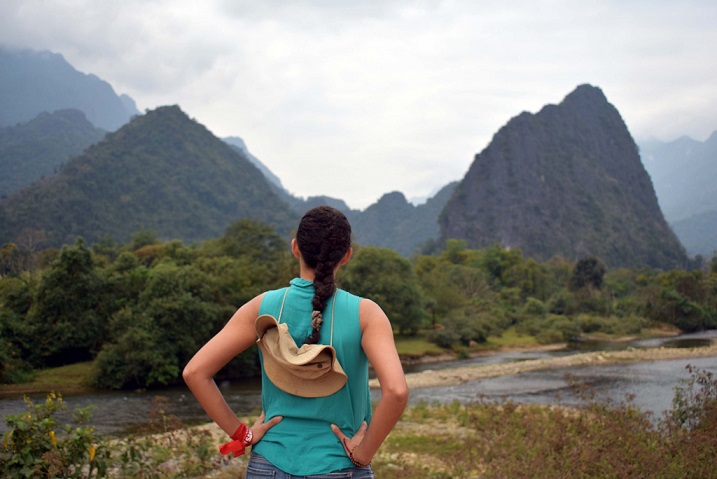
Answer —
323 237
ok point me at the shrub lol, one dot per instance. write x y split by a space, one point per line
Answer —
551 329
36 446
630 324
459 329
534 307
599 439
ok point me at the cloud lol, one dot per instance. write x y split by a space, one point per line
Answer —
358 98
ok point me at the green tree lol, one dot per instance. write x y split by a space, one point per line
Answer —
106 247
457 252
126 278
143 238
139 357
497 261
588 273
458 329
14 260
13 368
677 309
530 277
387 278
250 258
685 299
67 318
253 239
16 339
151 339
441 295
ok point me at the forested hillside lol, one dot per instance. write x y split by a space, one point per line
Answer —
162 173
140 310
35 149
393 222
566 181
32 82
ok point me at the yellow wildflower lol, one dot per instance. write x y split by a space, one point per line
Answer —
53 438
92 452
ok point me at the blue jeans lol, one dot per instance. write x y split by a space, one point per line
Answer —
260 468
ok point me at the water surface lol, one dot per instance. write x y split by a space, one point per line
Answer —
651 383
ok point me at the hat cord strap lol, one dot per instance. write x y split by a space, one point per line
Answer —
333 307
282 305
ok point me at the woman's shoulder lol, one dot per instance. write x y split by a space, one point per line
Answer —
370 313
270 298
369 306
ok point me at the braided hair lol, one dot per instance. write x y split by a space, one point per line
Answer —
323 238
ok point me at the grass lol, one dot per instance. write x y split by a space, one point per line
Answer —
511 339
63 379
507 440
417 346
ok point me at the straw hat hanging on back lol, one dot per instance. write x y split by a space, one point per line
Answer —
313 370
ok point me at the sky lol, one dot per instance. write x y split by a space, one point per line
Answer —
355 99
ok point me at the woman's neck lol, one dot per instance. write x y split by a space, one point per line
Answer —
305 272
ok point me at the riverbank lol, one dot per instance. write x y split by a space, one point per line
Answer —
73 379
460 375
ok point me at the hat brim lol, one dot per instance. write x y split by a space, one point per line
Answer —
310 371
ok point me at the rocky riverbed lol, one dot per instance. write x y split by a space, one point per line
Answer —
459 375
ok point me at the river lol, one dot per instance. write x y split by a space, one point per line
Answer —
651 383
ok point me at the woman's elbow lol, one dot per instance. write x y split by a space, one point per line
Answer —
397 394
190 374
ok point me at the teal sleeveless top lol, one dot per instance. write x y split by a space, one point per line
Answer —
302 443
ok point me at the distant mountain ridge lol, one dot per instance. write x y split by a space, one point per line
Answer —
563 181
240 145
684 172
35 149
162 172
32 82
679 166
698 233
393 222
566 181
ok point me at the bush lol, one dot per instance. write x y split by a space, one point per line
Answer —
551 329
563 303
524 441
534 307
459 329
613 325
36 446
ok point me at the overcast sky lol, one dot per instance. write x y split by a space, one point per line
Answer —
354 99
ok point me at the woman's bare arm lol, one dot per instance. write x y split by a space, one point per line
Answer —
380 348
236 336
